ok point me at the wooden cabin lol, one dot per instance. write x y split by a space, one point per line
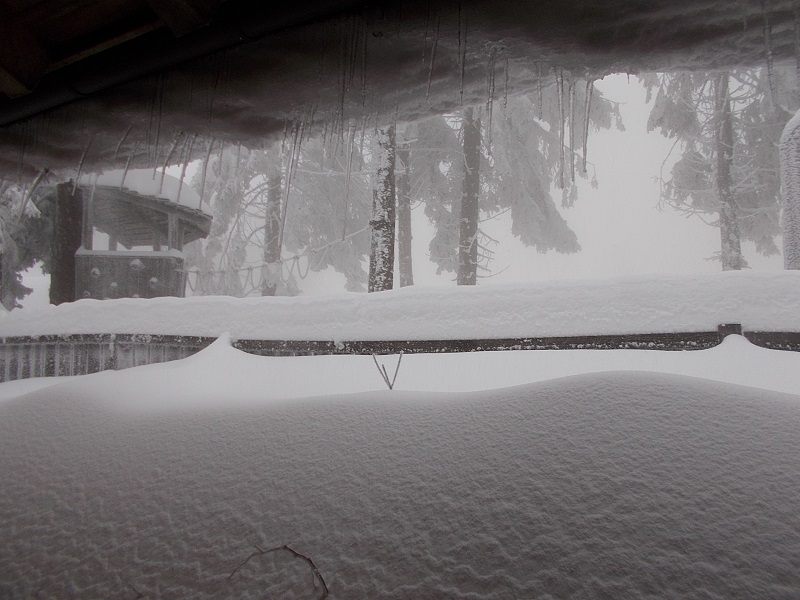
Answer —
117 240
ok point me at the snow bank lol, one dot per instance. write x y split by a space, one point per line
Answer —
619 485
221 371
656 304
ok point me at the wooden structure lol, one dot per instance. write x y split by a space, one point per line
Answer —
22 357
152 230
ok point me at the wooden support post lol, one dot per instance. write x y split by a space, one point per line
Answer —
87 222
174 232
112 243
66 241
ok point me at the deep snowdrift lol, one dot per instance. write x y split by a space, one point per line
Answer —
623 485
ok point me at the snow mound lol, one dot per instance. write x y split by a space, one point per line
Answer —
624 485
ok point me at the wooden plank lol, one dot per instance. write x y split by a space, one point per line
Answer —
23 59
184 16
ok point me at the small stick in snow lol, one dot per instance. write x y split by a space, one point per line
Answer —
384 374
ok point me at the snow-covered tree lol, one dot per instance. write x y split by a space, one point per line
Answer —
726 127
26 231
531 143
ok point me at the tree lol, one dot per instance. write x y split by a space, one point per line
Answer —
726 127
522 150
382 224
26 232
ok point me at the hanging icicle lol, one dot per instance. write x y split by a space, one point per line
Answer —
560 93
183 170
539 92
462 50
128 164
765 11
122 140
572 130
490 89
586 115
166 162
205 170
350 147
505 87
436 27
797 48
80 163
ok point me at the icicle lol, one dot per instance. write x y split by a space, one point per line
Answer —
797 48
166 162
436 28
505 87
291 170
80 164
490 88
350 147
128 164
765 10
205 170
364 41
462 50
572 130
586 115
540 94
160 112
183 170
29 194
122 140
560 92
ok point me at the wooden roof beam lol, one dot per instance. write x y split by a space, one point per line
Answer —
23 59
184 16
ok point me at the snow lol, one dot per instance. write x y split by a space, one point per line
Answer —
147 182
538 474
623 484
646 304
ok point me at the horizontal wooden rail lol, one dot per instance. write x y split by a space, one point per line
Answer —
22 357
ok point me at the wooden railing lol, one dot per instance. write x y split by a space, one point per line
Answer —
22 357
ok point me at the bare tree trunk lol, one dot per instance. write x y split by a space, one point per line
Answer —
381 257
272 238
731 248
404 236
67 231
468 219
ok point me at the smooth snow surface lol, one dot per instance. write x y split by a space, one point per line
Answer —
619 485
655 304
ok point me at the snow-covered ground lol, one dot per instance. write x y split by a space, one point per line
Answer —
541 474
612 485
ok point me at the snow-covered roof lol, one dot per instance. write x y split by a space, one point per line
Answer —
147 182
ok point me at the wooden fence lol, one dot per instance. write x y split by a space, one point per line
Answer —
22 357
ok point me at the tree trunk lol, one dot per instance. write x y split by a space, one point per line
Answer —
468 218
67 231
272 238
381 257
790 181
731 248
404 216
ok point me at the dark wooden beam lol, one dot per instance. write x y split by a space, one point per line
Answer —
184 16
67 231
23 59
